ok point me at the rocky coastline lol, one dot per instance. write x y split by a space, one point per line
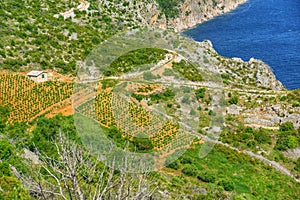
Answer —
191 13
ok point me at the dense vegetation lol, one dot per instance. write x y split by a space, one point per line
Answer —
44 158
221 174
271 144
170 7
31 37
125 63
61 157
246 137
188 71
226 170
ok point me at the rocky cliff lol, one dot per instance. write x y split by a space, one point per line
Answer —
242 74
191 13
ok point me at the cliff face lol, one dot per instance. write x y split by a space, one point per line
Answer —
265 76
191 13
241 74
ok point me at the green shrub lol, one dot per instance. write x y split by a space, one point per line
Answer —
168 72
11 188
165 96
208 177
287 126
190 170
4 114
292 142
233 100
287 137
174 165
6 149
170 7
227 185
5 169
283 98
225 76
262 136
200 93
188 71
143 144
186 160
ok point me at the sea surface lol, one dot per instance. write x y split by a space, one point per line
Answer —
268 30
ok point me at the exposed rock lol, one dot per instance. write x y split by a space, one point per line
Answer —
293 153
84 6
164 193
270 116
276 108
73 36
68 14
233 110
192 13
294 118
258 122
66 32
31 156
207 44
202 191
237 59
214 129
266 78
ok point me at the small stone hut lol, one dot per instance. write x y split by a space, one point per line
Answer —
38 76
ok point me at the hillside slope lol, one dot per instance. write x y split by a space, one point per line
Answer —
42 152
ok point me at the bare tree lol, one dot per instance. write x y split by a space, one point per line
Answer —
76 174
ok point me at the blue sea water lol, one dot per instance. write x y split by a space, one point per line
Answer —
264 29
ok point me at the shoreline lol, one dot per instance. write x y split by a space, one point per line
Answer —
189 26
183 26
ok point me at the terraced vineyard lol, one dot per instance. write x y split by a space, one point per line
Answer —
110 109
26 99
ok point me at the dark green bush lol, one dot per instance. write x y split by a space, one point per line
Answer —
227 185
190 170
208 177
287 137
174 165
186 160
287 126
233 100
200 93
4 169
225 76
171 8
6 149
143 144
262 136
